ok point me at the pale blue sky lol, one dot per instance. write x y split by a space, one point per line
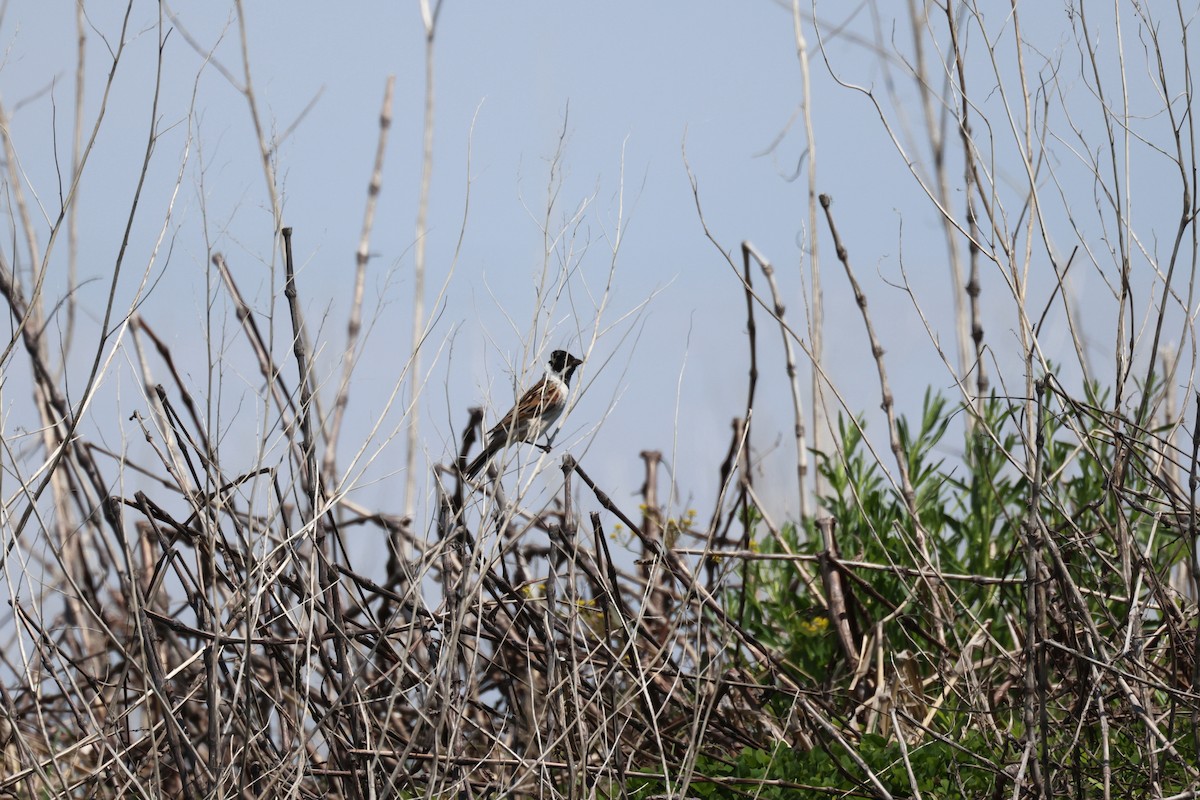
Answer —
628 81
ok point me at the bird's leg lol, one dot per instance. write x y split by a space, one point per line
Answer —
545 448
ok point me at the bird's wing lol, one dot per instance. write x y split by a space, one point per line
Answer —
516 423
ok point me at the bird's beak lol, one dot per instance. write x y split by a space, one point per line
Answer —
572 361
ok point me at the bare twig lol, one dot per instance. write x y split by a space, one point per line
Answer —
362 256
429 18
888 404
793 381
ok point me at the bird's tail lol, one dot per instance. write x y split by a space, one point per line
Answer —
487 454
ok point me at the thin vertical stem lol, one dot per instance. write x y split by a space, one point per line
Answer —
429 17
362 256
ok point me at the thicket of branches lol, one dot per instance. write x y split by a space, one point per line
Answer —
1016 620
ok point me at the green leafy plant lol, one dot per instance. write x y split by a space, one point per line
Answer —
953 626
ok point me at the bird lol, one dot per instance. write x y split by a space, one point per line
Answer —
534 414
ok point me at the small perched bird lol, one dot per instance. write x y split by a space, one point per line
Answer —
534 414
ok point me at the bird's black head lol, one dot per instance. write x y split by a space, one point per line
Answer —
564 364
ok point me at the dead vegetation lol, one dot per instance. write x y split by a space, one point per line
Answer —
994 597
